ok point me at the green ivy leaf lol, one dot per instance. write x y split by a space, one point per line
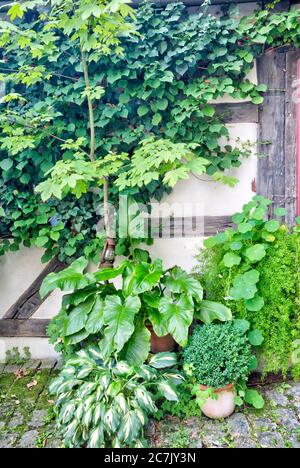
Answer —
142 110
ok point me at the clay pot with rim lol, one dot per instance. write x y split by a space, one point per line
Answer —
222 405
160 344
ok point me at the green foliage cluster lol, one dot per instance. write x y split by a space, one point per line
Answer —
120 318
160 82
220 354
257 273
106 403
186 406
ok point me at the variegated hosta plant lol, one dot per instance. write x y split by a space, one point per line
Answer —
107 403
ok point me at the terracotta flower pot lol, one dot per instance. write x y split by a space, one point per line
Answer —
160 344
223 405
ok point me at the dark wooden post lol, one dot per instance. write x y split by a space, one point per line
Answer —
271 70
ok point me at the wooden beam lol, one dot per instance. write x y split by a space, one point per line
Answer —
244 112
30 300
31 328
191 3
290 136
271 69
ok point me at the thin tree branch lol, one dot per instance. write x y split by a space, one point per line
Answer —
90 106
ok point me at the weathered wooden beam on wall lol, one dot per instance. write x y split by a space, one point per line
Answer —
240 112
190 3
277 130
31 328
290 137
271 70
30 300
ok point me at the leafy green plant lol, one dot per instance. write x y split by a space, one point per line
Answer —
186 406
221 354
14 356
257 272
107 403
167 300
154 86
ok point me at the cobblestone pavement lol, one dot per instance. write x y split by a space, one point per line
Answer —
26 417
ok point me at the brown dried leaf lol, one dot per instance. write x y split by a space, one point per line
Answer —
32 384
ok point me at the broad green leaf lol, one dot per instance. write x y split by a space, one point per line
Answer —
252 397
259 214
119 318
272 226
210 311
137 349
158 321
179 316
242 325
255 337
106 274
178 281
78 317
245 227
69 279
244 286
256 253
280 212
94 323
163 360
96 438
255 304
76 338
237 245
168 391
230 259
141 277
129 428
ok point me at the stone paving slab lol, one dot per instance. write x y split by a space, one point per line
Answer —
26 418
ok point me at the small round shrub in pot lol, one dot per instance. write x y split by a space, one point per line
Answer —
219 359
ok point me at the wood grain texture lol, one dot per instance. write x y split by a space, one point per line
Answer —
191 226
290 148
30 328
271 69
244 112
30 300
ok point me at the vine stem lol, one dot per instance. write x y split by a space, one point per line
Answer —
92 153
90 105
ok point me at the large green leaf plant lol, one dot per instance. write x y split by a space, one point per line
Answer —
119 318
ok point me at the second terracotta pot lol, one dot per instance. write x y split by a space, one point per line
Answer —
160 344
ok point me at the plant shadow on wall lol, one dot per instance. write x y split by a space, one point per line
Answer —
73 97
255 268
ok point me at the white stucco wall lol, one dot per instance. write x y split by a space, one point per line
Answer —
18 270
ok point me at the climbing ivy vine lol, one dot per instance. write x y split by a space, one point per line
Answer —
160 82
